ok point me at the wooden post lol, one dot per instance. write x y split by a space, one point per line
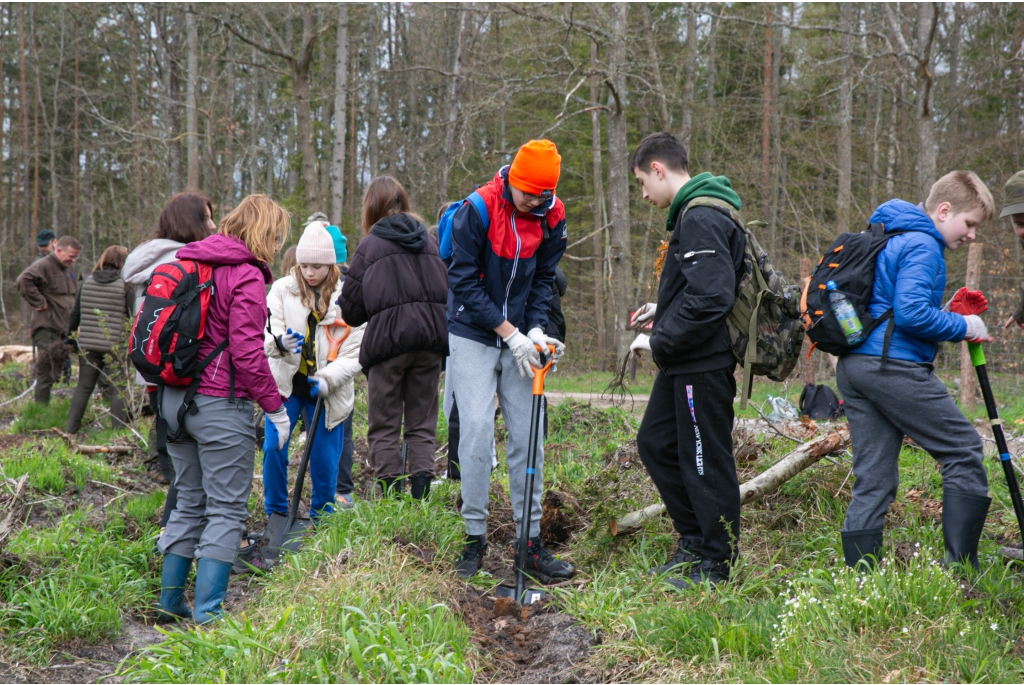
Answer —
968 384
806 363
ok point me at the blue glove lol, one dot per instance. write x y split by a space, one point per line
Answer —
317 386
291 341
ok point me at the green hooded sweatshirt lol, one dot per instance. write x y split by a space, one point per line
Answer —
702 185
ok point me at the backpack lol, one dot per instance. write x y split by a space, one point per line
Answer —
169 326
820 402
444 224
765 310
850 262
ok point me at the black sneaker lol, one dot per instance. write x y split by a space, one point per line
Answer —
543 566
682 561
472 557
714 572
249 559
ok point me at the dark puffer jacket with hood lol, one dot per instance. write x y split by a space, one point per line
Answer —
398 286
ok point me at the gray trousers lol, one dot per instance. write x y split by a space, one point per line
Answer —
213 468
475 371
883 405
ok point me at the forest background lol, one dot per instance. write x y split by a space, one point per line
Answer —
816 112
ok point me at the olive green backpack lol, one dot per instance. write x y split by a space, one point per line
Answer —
766 310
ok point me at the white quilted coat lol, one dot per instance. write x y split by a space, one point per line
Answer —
287 311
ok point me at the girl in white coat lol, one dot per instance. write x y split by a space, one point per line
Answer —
301 306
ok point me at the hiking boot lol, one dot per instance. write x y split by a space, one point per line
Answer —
472 556
250 558
714 572
682 561
343 502
543 565
963 518
419 485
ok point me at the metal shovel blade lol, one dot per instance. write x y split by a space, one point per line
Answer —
529 596
281 539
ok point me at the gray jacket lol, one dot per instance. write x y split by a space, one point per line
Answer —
103 309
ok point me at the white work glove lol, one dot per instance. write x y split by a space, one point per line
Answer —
291 341
525 353
318 387
976 329
641 344
538 337
644 314
282 424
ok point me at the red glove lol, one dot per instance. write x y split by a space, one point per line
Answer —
966 302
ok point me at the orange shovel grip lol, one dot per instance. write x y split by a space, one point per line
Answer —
335 343
538 374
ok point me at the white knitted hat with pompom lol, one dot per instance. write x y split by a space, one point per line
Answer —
315 246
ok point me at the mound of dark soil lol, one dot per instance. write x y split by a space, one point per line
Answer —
534 644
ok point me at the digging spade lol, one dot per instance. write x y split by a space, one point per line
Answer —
978 360
288 535
520 593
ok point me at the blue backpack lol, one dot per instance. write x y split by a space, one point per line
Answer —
444 224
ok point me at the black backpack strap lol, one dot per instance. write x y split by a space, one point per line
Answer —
889 328
877 229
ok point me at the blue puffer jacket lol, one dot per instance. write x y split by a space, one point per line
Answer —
910 277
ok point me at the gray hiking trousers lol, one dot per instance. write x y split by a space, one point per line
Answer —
213 468
474 372
883 405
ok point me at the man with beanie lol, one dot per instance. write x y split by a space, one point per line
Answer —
1013 207
500 282
45 242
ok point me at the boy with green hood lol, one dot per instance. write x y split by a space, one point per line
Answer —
685 439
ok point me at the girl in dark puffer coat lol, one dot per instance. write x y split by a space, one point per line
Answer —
398 285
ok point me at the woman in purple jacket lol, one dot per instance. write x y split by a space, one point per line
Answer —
213 456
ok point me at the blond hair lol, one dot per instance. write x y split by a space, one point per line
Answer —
964 192
307 295
260 223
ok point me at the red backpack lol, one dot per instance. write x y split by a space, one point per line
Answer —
166 333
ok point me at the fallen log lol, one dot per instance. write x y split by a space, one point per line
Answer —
89 449
757 487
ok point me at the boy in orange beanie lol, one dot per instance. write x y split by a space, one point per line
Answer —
504 256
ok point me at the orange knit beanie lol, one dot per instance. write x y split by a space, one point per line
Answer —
535 167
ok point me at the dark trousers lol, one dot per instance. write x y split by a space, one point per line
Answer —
345 485
685 442
46 373
453 442
406 384
158 453
91 372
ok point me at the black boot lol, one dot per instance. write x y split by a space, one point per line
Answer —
859 544
419 485
963 517
713 571
542 565
472 557
391 487
683 559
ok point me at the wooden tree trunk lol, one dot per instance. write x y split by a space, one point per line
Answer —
927 18
844 156
766 116
709 96
689 78
453 107
655 64
968 382
300 75
618 181
598 176
340 111
191 106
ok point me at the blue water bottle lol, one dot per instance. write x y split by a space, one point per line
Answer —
845 314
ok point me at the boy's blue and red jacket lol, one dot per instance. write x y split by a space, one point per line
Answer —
505 271
910 277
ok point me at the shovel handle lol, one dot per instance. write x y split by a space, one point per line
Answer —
538 374
334 344
977 354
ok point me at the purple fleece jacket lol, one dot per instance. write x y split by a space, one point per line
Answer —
238 312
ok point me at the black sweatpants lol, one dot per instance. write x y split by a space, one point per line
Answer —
685 442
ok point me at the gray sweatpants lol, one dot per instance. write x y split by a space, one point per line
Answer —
474 372
883 405
213 467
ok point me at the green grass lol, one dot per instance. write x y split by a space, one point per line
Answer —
35 416
81 576
50 466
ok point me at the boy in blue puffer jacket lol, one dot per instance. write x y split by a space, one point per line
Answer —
899 395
